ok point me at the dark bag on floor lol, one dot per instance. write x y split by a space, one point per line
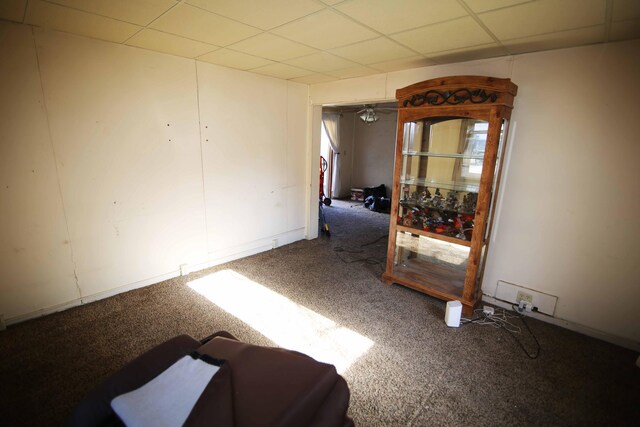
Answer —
379 191
377 204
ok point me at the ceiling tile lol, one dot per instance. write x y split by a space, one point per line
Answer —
61 18
260 13
314 79
272 47
402 64
233 59
198 24
461 33
626 9
135 12
13 10
625 30
169 43
544 16
370 51
394 16
489 50
351 72
281 71
558 40
325 30
321 62
486 5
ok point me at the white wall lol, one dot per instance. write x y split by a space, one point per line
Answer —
567 224
346 128
124 126
566 221
374 150
119 165
253 156
35 254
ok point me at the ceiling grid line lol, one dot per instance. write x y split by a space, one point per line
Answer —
475 17
316 41
152 21
172 34
123 21
230 46
64 6
372 29
245 23
186 2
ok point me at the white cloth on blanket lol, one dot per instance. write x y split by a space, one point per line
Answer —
166 400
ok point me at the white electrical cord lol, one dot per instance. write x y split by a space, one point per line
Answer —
503 319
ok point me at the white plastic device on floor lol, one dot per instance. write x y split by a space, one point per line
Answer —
453 313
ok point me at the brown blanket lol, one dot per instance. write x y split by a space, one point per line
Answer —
256 386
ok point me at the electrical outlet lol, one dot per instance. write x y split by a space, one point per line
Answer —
489 311
518 295
524 297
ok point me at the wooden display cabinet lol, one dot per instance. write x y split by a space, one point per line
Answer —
451 132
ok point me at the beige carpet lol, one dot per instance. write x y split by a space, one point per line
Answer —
403 365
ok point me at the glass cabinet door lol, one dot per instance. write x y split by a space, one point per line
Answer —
442 161
441 168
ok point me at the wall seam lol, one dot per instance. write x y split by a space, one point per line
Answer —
24 14
204 194
608 20
287 148
55 162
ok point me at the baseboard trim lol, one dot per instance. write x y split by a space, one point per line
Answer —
214 258
130 287
91 298
43 312
252 248
576 327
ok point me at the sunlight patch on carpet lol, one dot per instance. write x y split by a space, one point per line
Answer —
288 324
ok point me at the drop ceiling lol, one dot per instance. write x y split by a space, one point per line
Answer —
313 41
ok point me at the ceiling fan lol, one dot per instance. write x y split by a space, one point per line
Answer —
368 113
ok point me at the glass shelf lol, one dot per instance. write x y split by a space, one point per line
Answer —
445 155
409 204
445 185
432 235
439 263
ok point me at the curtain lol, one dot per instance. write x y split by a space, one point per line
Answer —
331 123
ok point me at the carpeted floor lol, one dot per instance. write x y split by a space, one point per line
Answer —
416 372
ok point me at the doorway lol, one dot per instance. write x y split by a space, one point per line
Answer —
363 161
358 142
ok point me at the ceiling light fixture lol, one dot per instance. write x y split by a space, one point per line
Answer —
368 116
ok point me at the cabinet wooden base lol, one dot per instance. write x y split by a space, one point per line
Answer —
467 306
387 279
